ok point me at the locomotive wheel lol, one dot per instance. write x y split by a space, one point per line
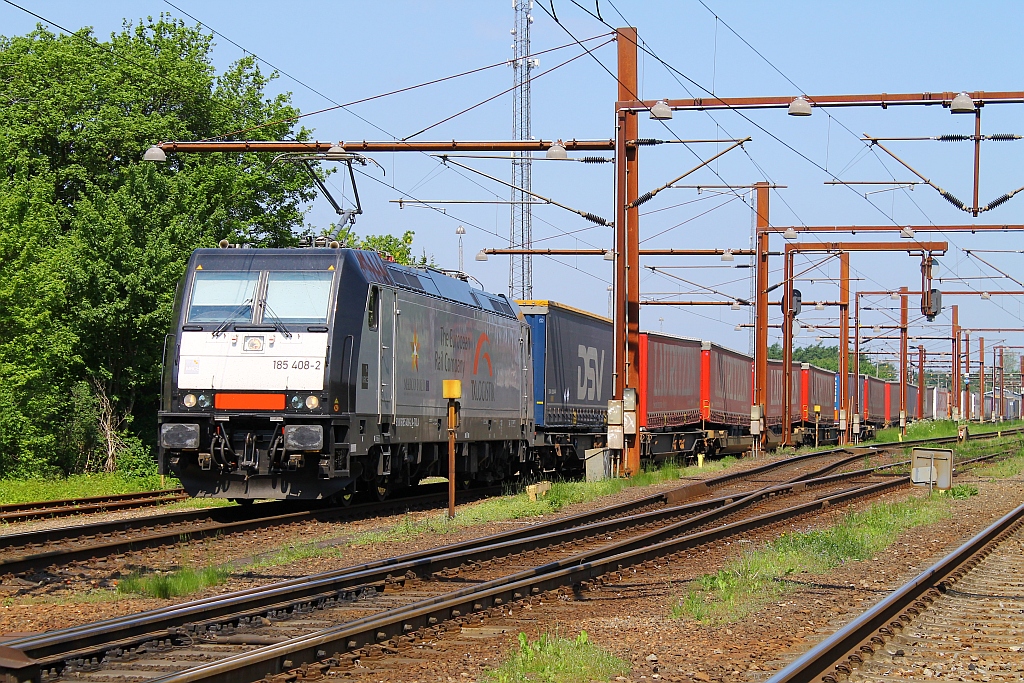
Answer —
244 502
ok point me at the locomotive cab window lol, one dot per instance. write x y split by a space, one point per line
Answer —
373 308
222 297
300 297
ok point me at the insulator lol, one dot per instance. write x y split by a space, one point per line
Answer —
594 219
646 197
641 142
952 200
996 202
1003 137
955 137
595 160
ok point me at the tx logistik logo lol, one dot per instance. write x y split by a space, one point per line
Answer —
415 344
482 390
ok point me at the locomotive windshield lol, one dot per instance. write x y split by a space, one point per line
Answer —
222 297
286 297
299 296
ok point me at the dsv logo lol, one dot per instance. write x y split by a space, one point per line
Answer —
589 373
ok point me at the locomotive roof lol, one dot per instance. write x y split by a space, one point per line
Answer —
369 264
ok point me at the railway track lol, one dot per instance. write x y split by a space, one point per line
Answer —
381 605
381 601
22 512
960 619
34 551
30 553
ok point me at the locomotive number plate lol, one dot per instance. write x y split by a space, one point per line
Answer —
297 364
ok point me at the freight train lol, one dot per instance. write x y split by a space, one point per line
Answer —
317 373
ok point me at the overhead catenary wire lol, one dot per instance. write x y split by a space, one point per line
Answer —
673 70
998 136
496 96
345 105
440 167
547 200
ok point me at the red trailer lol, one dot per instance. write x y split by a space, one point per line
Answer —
817 388
773 409
694 397
725 390
873 409
670 381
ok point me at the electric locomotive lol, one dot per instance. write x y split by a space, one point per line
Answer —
317 373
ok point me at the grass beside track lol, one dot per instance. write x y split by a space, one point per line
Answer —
934 429
77 486
558 660
503 508
173 584
518 505
759 577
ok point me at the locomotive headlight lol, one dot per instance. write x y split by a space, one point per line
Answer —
188 400
295 402
205 400
312 402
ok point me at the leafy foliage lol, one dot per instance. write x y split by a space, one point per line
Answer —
93 240
398 248
827 357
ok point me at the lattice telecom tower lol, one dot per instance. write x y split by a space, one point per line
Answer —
520 277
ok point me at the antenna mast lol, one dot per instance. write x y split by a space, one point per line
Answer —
520 277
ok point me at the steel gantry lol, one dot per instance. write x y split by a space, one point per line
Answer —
626 252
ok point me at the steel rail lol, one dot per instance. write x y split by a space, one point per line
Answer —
239 514
88 500
122 629
18 512
849 645
52 648
30 652
578 570
225 520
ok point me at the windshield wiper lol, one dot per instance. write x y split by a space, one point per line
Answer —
230 319
278 323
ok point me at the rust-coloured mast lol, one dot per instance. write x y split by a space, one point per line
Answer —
957 387
981 375
856 357
967 408
787 346
627 240
760 398
844 339
921 353
904 369
977 158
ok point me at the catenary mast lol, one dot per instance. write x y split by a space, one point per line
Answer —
520 278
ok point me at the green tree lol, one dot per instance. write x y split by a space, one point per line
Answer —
827 357
398 248
93 240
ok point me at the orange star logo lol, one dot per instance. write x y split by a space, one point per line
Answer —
415 344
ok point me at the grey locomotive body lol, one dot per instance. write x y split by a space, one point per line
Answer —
314 373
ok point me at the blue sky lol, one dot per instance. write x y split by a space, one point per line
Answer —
349 50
